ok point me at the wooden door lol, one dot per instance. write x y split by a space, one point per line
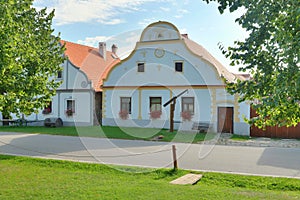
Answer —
225 119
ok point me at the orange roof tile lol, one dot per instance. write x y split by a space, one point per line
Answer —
90 62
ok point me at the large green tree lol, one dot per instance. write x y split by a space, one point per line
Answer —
271 54
30 56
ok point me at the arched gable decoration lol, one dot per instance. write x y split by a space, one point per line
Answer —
163 31
160 31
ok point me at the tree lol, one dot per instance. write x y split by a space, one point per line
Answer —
271 54
30 57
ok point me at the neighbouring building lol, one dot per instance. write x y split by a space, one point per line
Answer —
78 99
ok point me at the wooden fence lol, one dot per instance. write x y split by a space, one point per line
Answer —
274 131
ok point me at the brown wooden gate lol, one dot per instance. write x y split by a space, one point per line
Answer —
274 131
225 120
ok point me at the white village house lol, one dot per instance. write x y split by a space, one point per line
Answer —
163 64
78 99
99 89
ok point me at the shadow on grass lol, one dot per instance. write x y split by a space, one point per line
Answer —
129 133
168 173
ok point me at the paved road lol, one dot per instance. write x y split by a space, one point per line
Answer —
236 159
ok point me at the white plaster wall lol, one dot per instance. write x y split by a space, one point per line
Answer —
73 78
201 96
161 71
83 107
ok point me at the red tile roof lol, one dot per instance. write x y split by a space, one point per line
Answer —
90 62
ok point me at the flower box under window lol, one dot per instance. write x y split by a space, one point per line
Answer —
155 114
123 114
69 112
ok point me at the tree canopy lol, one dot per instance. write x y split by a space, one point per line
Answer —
271 54
30 57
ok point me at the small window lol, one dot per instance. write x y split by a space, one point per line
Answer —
141 67
178 66
59 74
188 104
126 104
155 104
71 106
48 108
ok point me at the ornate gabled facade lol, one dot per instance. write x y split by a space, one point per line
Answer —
163 64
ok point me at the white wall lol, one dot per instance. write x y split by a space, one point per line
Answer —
75 85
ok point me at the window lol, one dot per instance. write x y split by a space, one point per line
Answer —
188 104
178 66
126 104
155 104
71 106
141 67
48 108
59 74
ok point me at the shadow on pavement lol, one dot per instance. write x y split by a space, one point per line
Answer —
288 158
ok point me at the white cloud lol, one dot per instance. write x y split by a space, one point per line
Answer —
164 9
125 41
178 16
182 11
111 21
183 31
93 41
146 22
72 11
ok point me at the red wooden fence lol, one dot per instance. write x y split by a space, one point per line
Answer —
275 131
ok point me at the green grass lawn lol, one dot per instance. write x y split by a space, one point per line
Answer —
28 178
115 132
240 137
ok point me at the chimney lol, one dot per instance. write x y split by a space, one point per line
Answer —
102 50
114 49
185 35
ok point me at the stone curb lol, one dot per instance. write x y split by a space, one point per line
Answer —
224 139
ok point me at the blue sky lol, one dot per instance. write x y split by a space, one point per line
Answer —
122 21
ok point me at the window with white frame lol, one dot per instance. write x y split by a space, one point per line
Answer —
71 106
48 108
187 104
126 104
155 104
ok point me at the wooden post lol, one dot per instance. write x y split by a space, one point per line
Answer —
174 157
172 101
172 109
171 117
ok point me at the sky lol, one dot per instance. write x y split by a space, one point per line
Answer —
121 22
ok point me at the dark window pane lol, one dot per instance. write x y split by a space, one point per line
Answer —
59 74
141 67
178 66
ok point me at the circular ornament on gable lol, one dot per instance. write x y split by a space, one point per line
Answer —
159 53
84 84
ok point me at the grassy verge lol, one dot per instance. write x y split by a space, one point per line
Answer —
240 137
115 132
27 178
